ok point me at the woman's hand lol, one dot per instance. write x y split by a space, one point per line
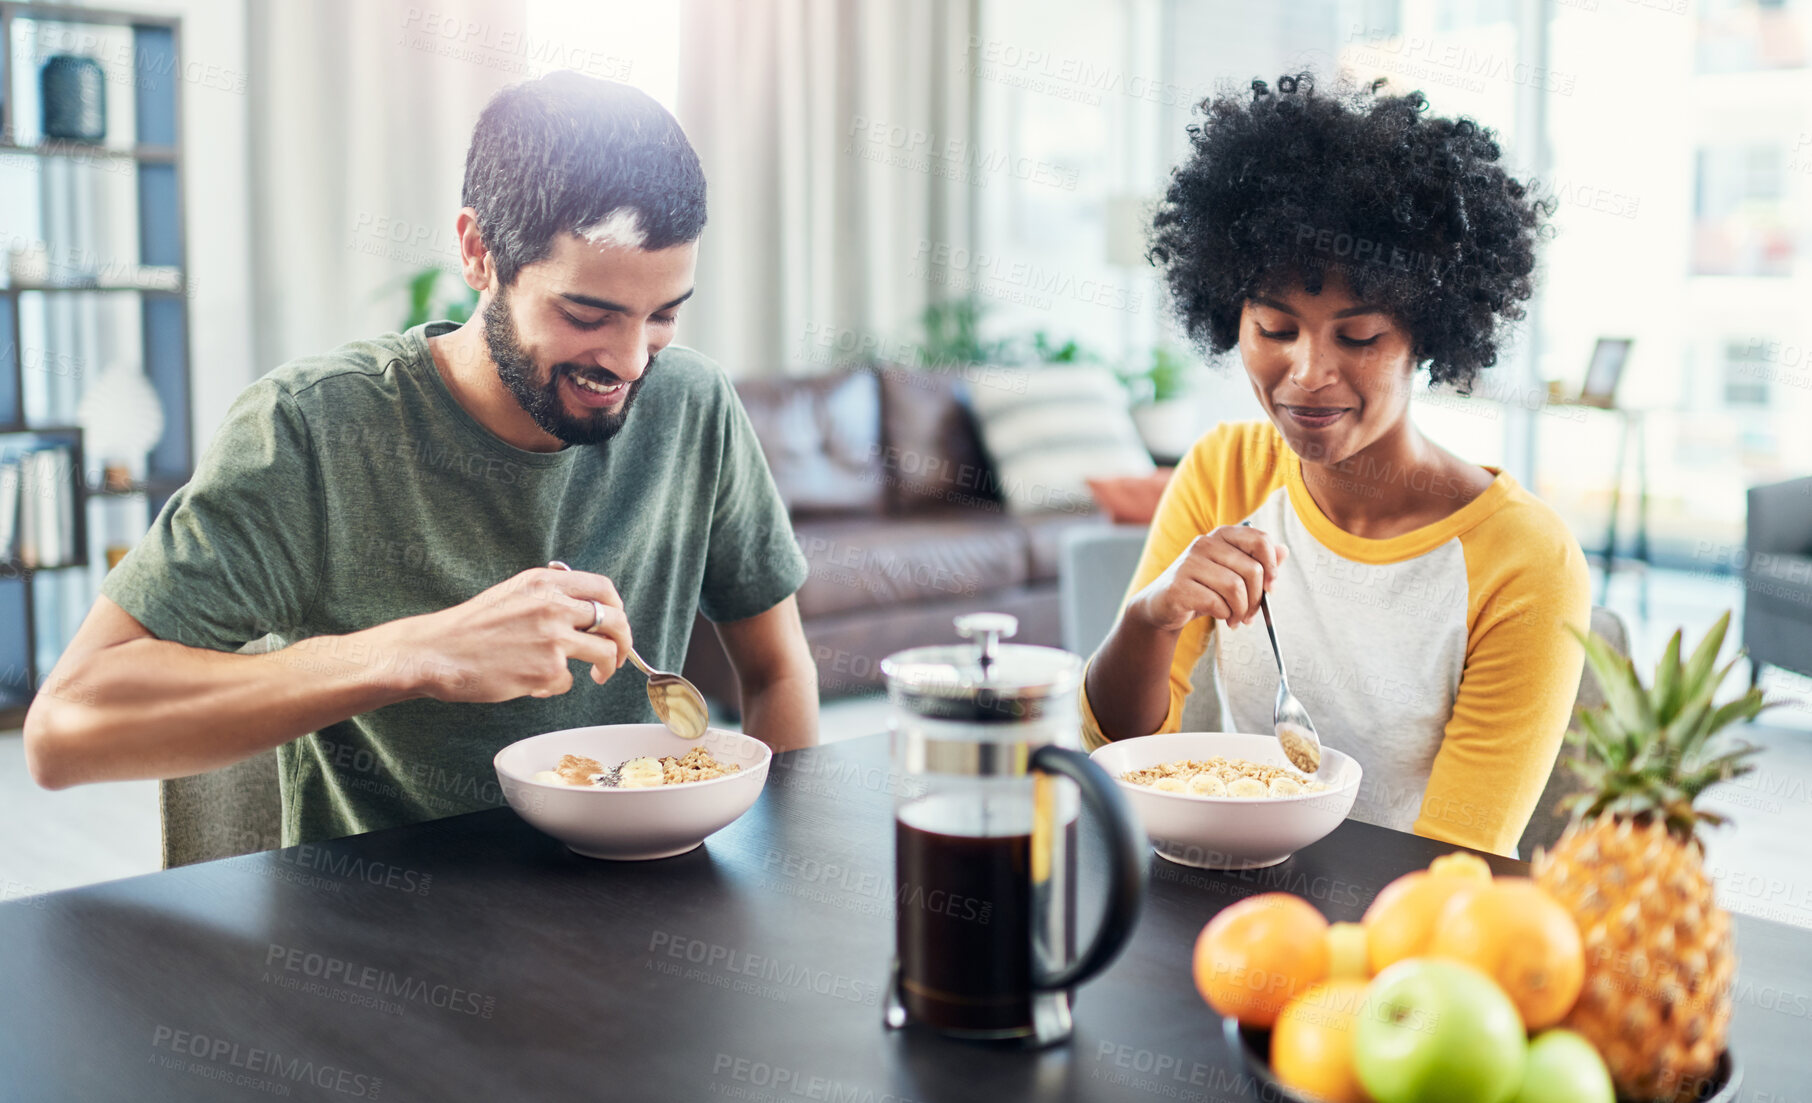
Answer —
1220 574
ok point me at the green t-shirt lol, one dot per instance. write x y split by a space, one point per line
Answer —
351 489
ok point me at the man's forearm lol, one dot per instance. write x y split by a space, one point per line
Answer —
150 708
783 713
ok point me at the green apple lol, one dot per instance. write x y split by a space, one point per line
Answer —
1437 1031
1565 1068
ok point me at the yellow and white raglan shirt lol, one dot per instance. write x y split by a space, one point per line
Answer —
1439 659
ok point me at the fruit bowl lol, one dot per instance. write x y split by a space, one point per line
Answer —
1251 1047
1229 832
631 824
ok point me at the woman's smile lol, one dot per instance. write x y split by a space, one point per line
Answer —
1314 417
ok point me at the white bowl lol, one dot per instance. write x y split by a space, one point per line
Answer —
1230 832
631 824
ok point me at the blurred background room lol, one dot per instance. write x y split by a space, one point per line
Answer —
915 207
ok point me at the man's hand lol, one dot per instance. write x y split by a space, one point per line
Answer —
515 639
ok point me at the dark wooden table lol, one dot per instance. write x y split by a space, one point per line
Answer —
475 958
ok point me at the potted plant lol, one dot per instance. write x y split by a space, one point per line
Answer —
952 335
1168 422
425 305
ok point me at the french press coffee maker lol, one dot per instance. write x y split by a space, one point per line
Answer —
985 737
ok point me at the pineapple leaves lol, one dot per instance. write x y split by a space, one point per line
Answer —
1617 679
1669 678
1705 656
1742 708
1722 768
1648 753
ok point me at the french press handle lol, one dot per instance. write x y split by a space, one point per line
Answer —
1126 864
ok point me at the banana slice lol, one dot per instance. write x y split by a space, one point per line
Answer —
1284 787
1206 785
1168 785
1247 787
640 773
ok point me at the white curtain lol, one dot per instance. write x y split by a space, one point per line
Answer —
835 137
361 113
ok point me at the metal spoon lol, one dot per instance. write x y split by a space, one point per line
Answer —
1289 719
676 701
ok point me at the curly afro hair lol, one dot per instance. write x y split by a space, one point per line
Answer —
1413 211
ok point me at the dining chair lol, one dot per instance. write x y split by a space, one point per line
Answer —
1094 566
236 810
1097 564
1548 821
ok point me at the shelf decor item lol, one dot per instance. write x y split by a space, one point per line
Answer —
75 98
121 420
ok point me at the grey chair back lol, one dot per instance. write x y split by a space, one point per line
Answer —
237 810
1095 564
1777 577
1546 825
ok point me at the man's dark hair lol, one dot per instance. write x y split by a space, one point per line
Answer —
558 154
1286 187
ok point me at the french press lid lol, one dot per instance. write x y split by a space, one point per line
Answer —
983 680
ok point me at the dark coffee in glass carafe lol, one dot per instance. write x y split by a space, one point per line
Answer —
963 914
985 839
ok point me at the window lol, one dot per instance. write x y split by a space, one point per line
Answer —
1455 15
1742 36
1380 18
1746 373
1741 226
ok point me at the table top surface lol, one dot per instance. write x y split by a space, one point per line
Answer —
476 958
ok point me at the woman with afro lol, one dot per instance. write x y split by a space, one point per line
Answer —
1345 244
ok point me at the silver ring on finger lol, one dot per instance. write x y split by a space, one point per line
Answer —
597 615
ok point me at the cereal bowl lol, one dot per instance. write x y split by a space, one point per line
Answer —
1229 832
631 824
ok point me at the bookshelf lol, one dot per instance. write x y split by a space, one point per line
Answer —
140 53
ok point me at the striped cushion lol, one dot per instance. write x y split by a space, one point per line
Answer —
1048 430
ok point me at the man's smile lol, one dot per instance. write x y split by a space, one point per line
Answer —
593 393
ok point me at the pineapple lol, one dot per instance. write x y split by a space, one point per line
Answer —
1658 949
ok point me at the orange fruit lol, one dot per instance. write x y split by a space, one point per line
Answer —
1401 921
1312 1047
1347 951
1518 935
1257 955
1461 864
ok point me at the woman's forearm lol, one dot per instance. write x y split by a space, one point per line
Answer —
1129 679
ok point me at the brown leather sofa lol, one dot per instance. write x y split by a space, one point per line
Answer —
899 514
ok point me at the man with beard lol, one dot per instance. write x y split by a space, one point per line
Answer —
386 514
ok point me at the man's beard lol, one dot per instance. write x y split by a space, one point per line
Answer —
542 401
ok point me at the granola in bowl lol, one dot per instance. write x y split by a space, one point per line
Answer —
641 772
1223 777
